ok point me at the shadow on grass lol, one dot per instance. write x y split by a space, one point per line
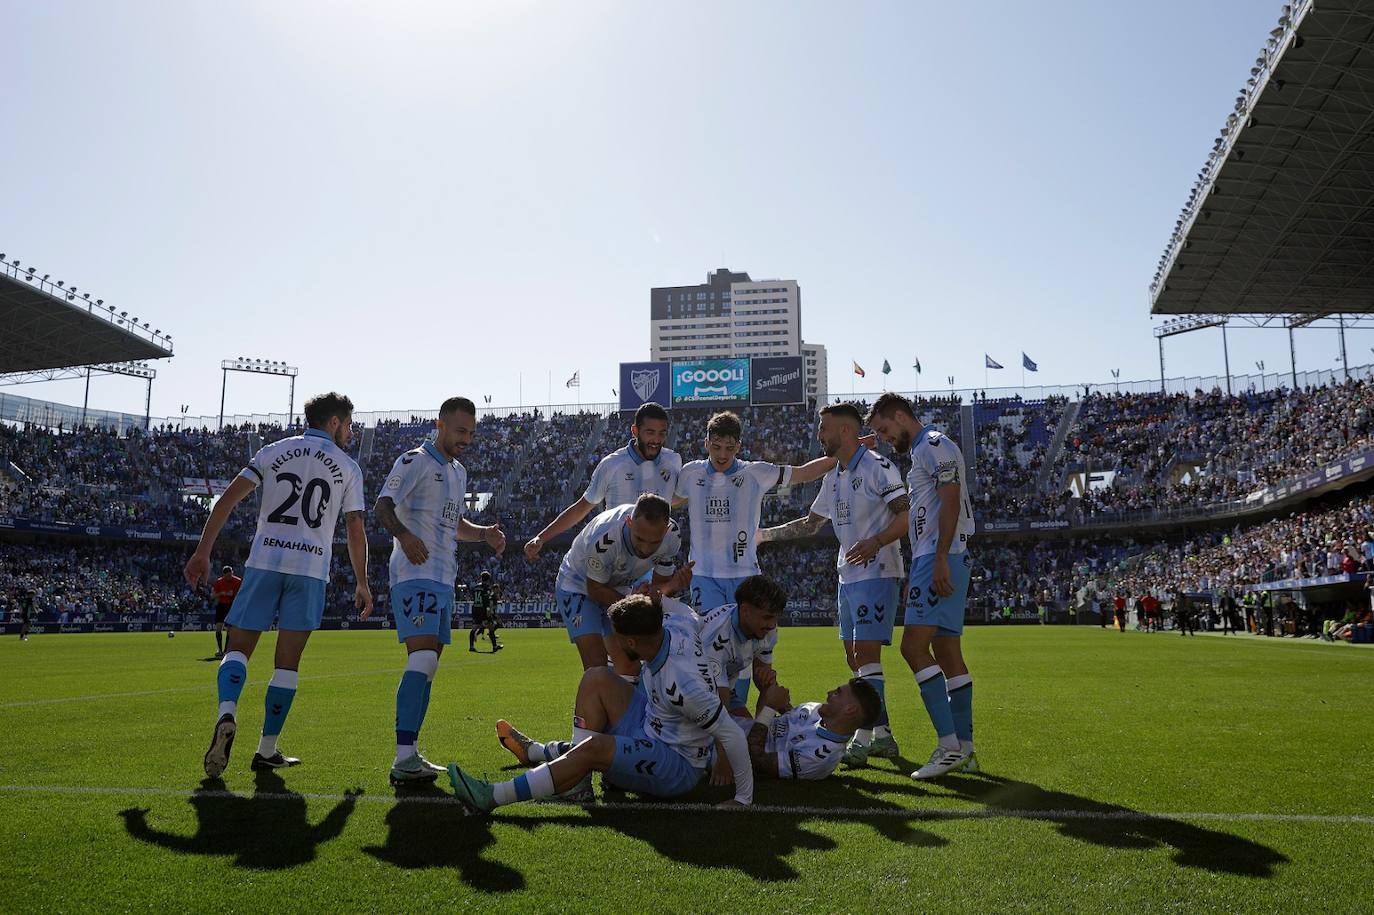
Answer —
696 838
261 836
425 835
1104 824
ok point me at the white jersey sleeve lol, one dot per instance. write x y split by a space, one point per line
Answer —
601 476
405 473
766 475
824 503
935 462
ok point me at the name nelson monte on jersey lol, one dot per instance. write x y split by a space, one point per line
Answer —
319 454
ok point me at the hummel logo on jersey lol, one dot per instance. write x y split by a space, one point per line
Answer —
719 643
856 483
646 766
737 482
407 459
671 691
604 543
878 611
664 474
438 478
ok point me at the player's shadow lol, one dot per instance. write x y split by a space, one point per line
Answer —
267 830
692 836
1111 825
427 829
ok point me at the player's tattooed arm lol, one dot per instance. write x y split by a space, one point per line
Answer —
793 530
385 510
413 547
899 505
764 763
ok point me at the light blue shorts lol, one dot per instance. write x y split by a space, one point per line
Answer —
582 615
868 609
294 602
710 593
645 765
423 607
925 608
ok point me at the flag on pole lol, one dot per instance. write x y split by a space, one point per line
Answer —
990 363
887 369
574 381
916 364
1028 363
859 370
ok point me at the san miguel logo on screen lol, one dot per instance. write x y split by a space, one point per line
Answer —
710 381
777 380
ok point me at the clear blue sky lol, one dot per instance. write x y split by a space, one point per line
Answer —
412 200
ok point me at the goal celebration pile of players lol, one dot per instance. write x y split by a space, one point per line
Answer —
669 652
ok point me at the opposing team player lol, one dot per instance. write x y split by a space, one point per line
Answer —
223 591
808 741
724 498
606 558
484 612
643 465
657 738
866 503
307 481
421 506
940 526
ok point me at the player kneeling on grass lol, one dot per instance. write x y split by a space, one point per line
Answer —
656 738
808 741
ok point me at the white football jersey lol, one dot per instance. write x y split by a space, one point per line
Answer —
855 499
622 476
936 461
805 749
430 492
683 705
723 509
728 650
306 481
603 551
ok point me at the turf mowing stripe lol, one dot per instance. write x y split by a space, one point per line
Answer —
208 687
849 813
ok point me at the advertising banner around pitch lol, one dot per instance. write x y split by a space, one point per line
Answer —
645 382
713 382
776 380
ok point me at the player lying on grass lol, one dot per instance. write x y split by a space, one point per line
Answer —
802 742
606 558
808 741
657 738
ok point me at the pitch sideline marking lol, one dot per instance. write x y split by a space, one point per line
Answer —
207 687
857 813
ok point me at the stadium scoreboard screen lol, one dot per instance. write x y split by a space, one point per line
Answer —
723 383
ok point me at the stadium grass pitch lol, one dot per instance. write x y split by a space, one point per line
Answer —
1121 772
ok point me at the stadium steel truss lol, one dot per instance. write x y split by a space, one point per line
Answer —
1281 219
52 330
1278 230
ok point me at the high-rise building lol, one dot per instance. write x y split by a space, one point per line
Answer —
814 367
731 315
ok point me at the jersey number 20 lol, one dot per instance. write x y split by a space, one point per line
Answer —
314 500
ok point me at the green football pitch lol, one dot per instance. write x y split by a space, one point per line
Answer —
1121 772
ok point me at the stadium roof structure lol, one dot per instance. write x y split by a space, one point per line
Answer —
1281 218
51 327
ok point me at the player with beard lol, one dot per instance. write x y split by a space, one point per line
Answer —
866 503
421 506
643 465
307 481
940 527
